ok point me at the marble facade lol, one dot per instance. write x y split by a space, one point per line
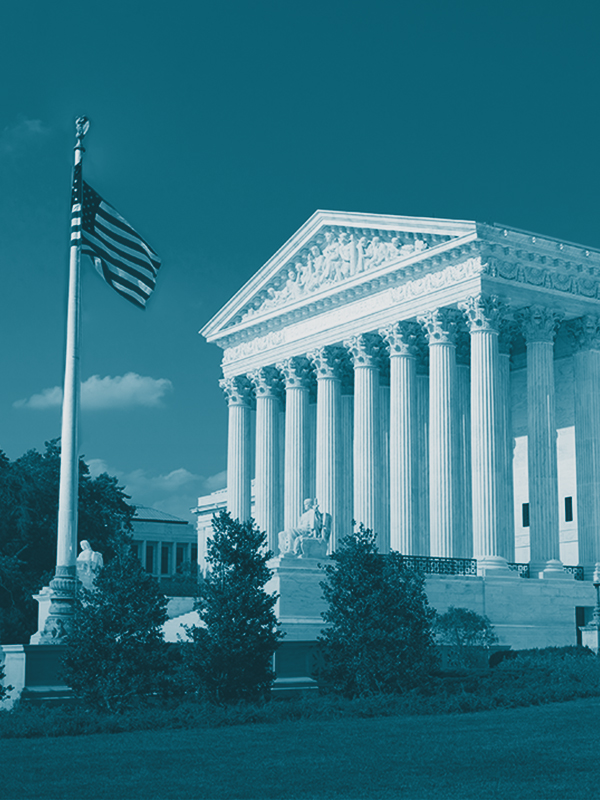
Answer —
372 360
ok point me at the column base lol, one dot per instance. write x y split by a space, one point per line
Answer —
549 570
494 567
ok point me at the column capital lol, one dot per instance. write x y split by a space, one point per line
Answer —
296 372
364 350
584 333
482 313
402 338
267 382
539 323
327 362
440 325
238 390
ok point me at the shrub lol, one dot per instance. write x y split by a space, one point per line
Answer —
463 630
116 655
379 635
233 650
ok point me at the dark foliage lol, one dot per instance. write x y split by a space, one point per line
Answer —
28 524
116 656
379 636
465 632
541 655
233 650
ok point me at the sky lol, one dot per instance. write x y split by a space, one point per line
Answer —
217 129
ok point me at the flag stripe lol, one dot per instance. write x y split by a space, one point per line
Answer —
128 238
120 255
112 268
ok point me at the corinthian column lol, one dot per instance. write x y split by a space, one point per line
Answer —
295 373
440 328
364 351
267 506
483 318
326 361
401 338
506 518
539 327
238 391
586 362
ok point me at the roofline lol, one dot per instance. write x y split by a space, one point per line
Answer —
342 218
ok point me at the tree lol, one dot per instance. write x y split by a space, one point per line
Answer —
28 529
462 630
233 650
116 654
379 636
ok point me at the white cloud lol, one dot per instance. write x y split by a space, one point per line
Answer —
175 492
20 134
122 391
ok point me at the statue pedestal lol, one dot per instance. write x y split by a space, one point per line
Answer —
44 598
297 582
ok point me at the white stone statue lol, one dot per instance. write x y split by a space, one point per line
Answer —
89 564
310 537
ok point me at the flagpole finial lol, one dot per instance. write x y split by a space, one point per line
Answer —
82 126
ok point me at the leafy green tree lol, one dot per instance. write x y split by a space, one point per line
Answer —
463 630
379 636
28 527
234 647
116 655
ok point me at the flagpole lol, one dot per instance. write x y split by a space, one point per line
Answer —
64 583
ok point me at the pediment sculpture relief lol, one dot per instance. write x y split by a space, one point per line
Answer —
309 539
331 257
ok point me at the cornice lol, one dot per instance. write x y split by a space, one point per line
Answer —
402 273
430 229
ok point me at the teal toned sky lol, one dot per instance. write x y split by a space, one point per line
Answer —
217 130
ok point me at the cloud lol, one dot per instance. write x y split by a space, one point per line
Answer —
19 135
175 492
122 391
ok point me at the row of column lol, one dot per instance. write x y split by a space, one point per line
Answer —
463 521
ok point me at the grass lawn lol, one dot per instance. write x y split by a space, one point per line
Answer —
538 752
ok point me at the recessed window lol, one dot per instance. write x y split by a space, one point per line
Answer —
150 558
194 553
525 514
568 509
164 559
179 557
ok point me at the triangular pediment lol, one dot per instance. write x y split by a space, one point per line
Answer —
330 253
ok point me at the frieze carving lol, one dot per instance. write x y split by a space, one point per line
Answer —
333 256
256 345
437 280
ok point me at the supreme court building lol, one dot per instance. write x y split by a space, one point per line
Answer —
438 381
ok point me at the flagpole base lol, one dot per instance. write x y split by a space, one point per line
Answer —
59 622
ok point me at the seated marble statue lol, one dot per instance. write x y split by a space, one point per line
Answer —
312 527
89 564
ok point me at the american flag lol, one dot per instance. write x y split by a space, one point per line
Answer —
121 256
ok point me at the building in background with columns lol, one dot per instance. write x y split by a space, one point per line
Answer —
439 382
